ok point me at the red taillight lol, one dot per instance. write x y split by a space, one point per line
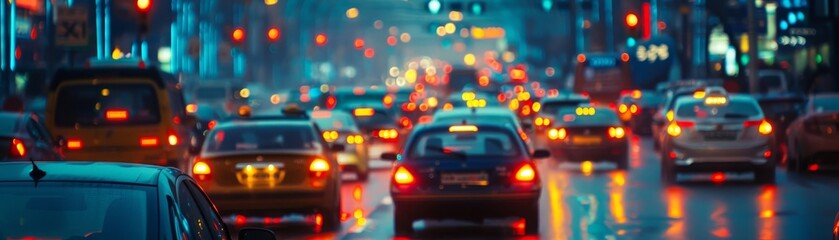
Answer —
211 124
318 168
685 124
18 150
388 134
763 127
617 132
74 144
718 177
633 109
623 108
557 134
402 176
201 171
526 173
330 102
405 122
148 141
672 155
116 114
173 139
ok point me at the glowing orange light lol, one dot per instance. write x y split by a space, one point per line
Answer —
369 53
238 35
273 34
320 39
358 43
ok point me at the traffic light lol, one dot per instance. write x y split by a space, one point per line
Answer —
273 34
632 25
238 35
143 8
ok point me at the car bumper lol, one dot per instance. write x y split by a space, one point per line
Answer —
815 146
489 205
716 157
601 153
272 203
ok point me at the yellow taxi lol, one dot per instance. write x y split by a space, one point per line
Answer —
122 114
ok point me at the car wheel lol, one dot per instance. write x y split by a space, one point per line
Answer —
403 221
332 220
765 175
531 221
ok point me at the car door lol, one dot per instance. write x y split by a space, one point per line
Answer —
197 227
54 150
38 147
209 211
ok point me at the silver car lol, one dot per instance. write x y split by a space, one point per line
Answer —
718 133
813 138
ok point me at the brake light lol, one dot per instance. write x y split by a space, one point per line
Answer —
17 149
405 122
116 115
633 109
191 108
331 102
402 176
330 136
557 134
623 108
173 139
386 133
74 144
763 127
201 171
526 173
211 124
617 132
148 141
542 122
355 139
318 168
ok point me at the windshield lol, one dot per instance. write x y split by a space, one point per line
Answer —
735 109
261 138
107 104
78 210
472 145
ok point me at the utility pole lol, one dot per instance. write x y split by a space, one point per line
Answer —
752 68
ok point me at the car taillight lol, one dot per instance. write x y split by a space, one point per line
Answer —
355 139
74 144
173 139
18 150
557 134
148 141
201 171
405 122
633 109
116 114
402 176
542 121
330 136
617 132
763 127
623 108
318 168
526 173
675 128
211 124
386 134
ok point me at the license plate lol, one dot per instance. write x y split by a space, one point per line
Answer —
260 173
586 140
477 179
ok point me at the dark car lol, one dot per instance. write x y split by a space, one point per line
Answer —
339 127
97 200
643 107
551 105
271 167
207 118
468 172
589 133
781 110
812 139
24 137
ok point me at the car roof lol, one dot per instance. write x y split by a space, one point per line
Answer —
161 79
263 122
564 98
106 172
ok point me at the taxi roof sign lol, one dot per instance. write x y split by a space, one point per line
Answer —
363 112
463 128
586 111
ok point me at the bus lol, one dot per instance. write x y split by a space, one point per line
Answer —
602 76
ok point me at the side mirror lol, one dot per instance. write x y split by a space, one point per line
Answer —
337 147
60 141
541 153
389 156
256 234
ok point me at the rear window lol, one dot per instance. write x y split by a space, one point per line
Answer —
261 138
339 122
826 104
735 109
89 105
72 210
601 116
553 108
481 144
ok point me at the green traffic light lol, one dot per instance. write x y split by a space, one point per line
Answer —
434 6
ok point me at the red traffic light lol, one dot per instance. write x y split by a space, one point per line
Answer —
273 34
320 39
631 20
238 35
144 5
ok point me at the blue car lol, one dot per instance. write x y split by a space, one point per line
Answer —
97 200
466 172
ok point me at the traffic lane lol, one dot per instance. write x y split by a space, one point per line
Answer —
358 200
598 202
602 203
